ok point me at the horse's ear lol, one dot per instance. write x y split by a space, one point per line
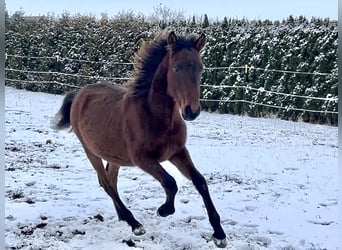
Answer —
172 39
200 42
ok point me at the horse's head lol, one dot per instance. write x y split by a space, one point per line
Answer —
184 73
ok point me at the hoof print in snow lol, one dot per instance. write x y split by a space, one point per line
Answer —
30 184
84 222
185 201
15 195
69 218
249 247
25 230
327 204
41 225
54 166
207 238
263 241
78 232
99 217
43 217
229 222
323 223
129 243
250 208
30 201
12 148
10 217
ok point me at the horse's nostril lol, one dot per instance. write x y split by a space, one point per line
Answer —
189 115
188 111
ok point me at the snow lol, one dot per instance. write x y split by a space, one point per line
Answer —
274 184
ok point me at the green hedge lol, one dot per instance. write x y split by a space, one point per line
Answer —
98 45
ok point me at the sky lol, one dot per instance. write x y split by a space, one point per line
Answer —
257 9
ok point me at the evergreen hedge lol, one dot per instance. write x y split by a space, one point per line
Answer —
104 47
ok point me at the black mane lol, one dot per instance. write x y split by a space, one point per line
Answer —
148 58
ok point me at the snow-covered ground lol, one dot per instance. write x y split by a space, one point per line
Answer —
274 184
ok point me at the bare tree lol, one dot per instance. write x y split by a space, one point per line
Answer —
163 14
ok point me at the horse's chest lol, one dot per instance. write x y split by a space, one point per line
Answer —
166 145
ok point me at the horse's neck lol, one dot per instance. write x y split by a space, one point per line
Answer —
159 81
161 104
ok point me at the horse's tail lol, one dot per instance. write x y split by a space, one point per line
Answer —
62 118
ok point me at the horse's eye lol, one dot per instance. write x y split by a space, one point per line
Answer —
176 68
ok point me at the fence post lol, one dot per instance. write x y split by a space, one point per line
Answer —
246 73
58 63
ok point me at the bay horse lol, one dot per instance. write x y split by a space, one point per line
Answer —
142 123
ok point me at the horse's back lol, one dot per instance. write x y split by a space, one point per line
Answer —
104 89
100 93
95 99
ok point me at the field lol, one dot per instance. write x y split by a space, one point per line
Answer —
274 183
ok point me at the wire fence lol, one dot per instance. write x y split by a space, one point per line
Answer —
246 68
58 58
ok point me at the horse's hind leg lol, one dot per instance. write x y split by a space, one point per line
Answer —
122 211
109 185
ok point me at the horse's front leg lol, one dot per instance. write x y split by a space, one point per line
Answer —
183 162
154 168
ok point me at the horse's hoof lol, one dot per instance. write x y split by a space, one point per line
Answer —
139 231
164 211
220 243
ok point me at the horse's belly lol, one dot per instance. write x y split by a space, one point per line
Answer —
109 147
166 154
120 160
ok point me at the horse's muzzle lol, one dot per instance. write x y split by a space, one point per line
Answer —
188 115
